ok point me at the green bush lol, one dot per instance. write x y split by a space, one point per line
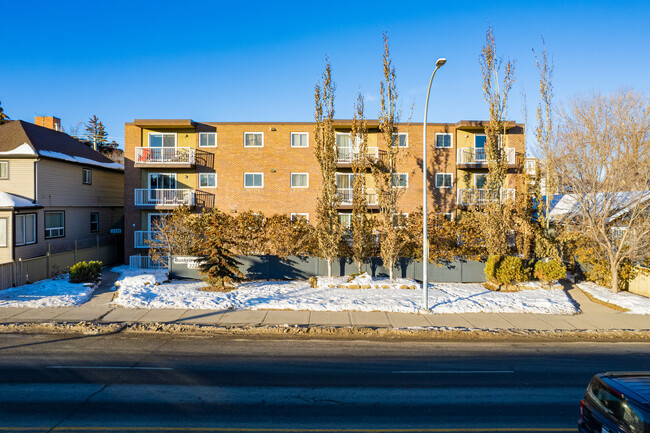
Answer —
550 270
505 270
86 272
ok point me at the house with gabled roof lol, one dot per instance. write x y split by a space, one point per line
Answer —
56 193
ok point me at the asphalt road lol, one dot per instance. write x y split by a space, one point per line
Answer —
162 383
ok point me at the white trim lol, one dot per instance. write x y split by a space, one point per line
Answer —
291 180
299 133
254 172
406 134
254 132
50 229
174 175
451 134
452 180
163 134
401 186
24 218
480 135
208 174
405 215
304 214
475 180
5 162
451 215
85 170
206 133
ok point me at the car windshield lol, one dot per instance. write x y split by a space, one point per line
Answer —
616 407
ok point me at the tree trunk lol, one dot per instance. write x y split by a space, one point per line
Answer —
329 267
359 265
390 272
614 277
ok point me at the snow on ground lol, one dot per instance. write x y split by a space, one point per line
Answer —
53 292
637 304
299 295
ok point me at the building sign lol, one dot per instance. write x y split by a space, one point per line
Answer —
191 262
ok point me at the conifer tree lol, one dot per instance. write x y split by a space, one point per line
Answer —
218 266
96 133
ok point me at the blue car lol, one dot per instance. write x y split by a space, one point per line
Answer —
616 402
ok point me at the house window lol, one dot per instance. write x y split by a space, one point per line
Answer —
87 176
253 139
444 180
207 180
299 180
25 229
207 139
253 180
299 139
295 216
400 180
4 169
479 141
401 139
400 219
54 224
444 139
94 222
480 180
159 139
346 220
448 215
531 168
3 232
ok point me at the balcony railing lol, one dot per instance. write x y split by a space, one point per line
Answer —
164 155
146 262
466 197
164 197
145 239
478 155
346 194
345 155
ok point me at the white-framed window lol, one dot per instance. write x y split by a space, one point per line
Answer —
531 167
346 220
480 180
479 141
94 222
444 180
87 176
54 224
25 230
207 139
448 215
3 231
253 139
400 180
300 139
162 139
295 215
4 169
444 140
401 139
400 219
207 180
253 180
299 180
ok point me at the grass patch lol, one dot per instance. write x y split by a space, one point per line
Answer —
604 303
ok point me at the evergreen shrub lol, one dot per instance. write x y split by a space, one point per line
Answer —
505 270
86 272
550 270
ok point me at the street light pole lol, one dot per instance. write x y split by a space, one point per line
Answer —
425 238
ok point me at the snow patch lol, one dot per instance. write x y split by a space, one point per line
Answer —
80 160
11 200
636 304
53 292
23 149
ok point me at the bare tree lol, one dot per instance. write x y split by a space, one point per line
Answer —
603 157
175 234
328 226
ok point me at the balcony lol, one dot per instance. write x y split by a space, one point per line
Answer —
164 197
477 156
144 239
346 155
346 194
153 157
468 197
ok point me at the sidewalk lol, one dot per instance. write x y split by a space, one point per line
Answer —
594 317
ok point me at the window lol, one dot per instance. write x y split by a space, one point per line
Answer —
401 138
444 139
531 167
400 219
207 180
159 139
253 139
299 180
87 176
3 232
448 215
480 180
26 229
295 216
253 180
299 139
54 224
207 139
479 141
4 169
346 220
444 180
400 180
94 222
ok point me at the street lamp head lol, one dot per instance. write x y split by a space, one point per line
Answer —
441 61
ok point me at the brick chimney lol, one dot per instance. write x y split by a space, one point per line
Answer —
48 122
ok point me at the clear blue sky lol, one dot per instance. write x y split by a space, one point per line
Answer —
259 61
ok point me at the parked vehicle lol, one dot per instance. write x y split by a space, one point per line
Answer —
616 402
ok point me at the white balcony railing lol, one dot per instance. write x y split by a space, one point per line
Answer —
345 155
164 197
346 194
466 197
146 262
164 155
477 155
144 239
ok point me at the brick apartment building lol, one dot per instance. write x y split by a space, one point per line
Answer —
271 167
